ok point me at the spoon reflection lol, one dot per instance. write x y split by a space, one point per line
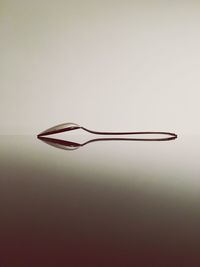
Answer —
68 145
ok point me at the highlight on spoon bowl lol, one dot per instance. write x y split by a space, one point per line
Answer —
64 127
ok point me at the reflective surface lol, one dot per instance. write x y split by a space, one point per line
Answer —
107 204
68 145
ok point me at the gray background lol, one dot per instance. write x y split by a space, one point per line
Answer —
107 65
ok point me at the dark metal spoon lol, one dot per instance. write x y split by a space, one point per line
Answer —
64 127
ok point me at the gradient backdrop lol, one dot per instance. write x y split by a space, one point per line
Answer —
109 66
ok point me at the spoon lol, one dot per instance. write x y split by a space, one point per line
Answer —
64 127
